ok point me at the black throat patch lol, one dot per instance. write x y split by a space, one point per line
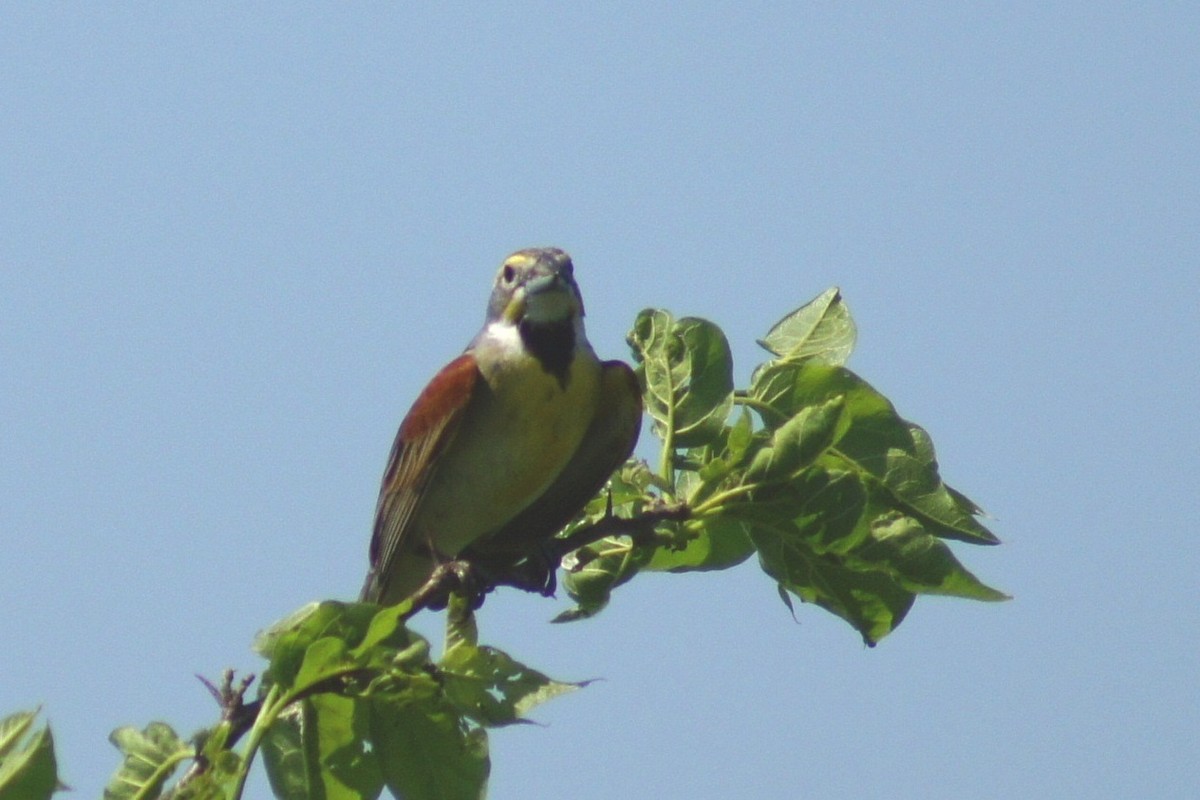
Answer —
552 345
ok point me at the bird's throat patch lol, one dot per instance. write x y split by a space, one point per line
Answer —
552 344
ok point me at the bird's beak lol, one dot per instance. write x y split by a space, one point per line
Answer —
545 283
545 299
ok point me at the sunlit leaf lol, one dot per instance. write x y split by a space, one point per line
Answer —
821 330
13 728
492 688
796 443
349 768
873 438
28 770
920 561
151 756
687 371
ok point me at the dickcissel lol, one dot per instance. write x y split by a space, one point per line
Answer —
509 440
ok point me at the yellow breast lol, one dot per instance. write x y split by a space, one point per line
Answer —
521 429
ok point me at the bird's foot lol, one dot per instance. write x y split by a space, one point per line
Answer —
458 576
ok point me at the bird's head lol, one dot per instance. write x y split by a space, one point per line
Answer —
536 286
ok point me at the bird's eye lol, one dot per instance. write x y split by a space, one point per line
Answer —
508 274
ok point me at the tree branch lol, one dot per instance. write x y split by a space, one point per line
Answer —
478 575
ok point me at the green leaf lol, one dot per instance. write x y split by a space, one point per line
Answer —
427 751
785 389
800 529
290 771
491 688
739 437
715 543
388 645
594 571
462 629
348 768
28 769
924 453
325 639
317 750
828 539
918 490
632 482
324 659
824 507
335 654
285 644
874 439
207 785
687 371
796 443
920 561
872 602
12 728
151 756
821 331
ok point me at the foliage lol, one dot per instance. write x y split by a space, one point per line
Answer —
27 765
808 468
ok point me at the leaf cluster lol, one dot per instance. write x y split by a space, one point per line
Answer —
350 704
809 468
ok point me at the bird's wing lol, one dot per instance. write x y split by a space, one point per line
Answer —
426 431
608 442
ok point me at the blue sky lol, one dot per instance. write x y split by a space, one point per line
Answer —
236 242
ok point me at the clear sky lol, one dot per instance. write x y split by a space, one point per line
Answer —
235 241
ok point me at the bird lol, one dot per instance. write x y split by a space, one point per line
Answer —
509 440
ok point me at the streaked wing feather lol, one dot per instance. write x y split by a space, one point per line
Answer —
426 431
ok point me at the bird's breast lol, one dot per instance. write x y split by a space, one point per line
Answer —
519 431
